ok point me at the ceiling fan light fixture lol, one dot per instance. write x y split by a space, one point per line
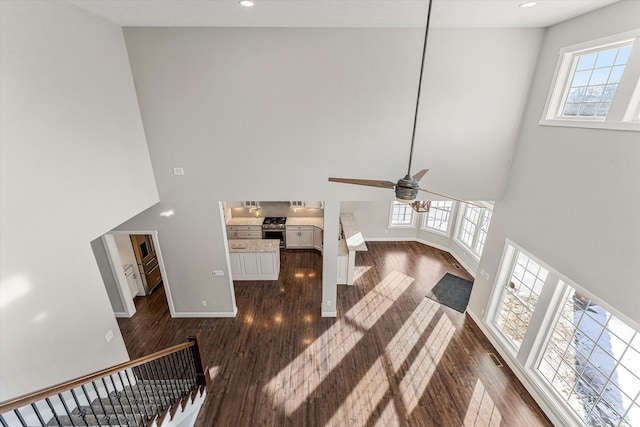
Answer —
421 205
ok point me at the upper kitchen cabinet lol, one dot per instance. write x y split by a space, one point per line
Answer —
315 205
303 204
250 204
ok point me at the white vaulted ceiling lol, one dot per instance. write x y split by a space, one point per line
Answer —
337 13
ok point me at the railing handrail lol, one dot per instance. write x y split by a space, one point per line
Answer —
36 396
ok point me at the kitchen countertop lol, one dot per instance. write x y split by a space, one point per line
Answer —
246 221
254 246
316 222
352 234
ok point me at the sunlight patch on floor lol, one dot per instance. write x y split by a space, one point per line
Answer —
369 309
389 417
408 336
364 398
358 271
291 387
417 378
295 383
482 412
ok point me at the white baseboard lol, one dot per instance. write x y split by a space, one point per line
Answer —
435 245
207 313
121 314
392 239
329 314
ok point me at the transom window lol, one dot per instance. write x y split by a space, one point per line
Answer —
402 215
597 84
594 82
439 216
473 228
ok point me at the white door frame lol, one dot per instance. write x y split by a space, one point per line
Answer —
121 280
122 287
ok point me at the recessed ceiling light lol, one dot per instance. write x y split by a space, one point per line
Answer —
246 3
528 4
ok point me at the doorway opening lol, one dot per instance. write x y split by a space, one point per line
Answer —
136 269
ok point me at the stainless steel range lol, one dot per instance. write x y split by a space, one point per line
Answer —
273 227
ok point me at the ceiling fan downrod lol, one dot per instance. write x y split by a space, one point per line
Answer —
415 116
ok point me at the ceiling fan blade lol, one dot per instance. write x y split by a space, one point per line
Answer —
452 198
367 182
418 176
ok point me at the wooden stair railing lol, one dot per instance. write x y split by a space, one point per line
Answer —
135 393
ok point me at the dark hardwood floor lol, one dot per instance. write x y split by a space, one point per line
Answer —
391 358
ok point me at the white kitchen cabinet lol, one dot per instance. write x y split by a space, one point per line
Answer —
231 232
244 232
255 266
314 205
236 265
292 238
297 204
250 204
317 238
299 236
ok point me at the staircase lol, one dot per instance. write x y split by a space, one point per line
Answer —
165 389
130 406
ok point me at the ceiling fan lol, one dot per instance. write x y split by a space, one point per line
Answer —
407 188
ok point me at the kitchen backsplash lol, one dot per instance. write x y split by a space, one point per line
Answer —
277 209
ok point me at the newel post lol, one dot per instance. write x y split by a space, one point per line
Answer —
203 376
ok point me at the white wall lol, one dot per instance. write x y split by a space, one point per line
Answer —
269 114
74 164
108 277
574 194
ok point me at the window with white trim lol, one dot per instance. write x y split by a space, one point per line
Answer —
473 228
592 361
402 215
584 357
520 294
438 219
596 85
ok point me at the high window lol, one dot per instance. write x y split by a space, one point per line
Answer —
438 219
597 84
473 227
402 215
